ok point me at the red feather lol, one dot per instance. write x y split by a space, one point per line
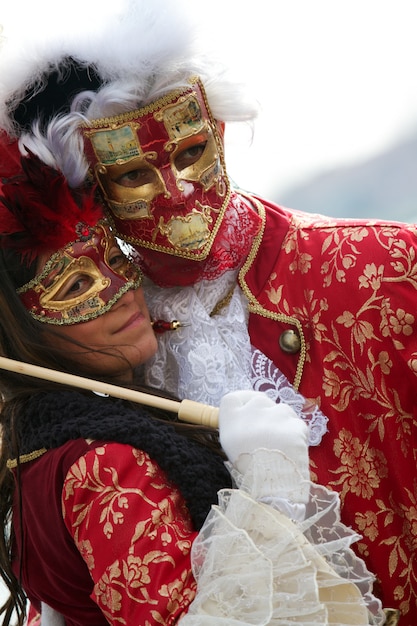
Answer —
9 157
40 213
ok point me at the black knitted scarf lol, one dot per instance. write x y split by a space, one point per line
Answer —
51 419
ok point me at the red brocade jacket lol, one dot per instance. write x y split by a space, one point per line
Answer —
109 540
334 304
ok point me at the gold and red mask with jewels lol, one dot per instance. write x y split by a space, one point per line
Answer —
82 280
42 218
162 175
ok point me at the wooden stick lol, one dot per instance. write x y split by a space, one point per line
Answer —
187 410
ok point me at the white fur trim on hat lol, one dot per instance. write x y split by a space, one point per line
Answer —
133 39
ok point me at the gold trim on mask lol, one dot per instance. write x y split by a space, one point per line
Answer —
76 318
205 170
129 210
116 144
107 175
182 114
128 116
49 296
182 119
48 299
188 232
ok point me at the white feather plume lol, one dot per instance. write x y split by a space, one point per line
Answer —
127 39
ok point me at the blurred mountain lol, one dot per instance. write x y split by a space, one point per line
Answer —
384 186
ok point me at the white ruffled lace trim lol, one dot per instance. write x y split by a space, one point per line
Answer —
268 378
209 356
255 566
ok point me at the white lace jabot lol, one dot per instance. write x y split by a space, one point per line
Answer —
209 356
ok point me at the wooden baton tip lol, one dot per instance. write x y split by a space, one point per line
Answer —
197 413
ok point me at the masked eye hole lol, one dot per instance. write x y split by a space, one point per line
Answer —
116 259
189 156
136 177
77 286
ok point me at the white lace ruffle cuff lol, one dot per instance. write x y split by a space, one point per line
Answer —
254 565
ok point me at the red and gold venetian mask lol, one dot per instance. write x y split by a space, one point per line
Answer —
41 218
81 280
161 170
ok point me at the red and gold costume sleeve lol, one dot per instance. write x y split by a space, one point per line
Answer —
134 532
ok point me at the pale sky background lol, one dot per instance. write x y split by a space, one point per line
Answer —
336 80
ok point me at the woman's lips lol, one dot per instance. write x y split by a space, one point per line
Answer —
134 320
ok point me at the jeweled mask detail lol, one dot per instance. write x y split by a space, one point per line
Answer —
82 280
162 174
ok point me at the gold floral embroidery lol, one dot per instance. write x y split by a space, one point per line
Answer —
86 551
310 313
112 497
362 467
405 264
97 498
137 577
110 599
162 522
342 252
384 361
274 293
402 322
372 277
399 564
145 462
359 382
353 289
175 592
362 331
367 523
412 363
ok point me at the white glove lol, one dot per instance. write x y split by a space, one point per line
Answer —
250 420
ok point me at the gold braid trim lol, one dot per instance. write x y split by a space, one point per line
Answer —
255 307
121 118
25 458
223 302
